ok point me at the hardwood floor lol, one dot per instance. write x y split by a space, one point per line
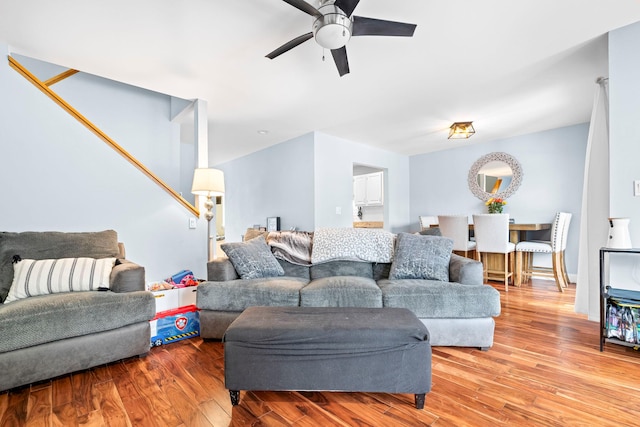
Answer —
545 369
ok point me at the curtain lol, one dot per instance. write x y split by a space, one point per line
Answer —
595 206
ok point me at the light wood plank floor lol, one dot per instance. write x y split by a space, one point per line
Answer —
545 369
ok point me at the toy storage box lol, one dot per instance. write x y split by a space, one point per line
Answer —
175 325
171 299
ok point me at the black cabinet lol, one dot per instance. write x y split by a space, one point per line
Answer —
619 308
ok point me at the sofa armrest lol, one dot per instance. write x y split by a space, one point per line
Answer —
221 270
127 277
465 270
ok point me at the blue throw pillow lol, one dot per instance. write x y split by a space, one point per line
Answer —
421 257
253 259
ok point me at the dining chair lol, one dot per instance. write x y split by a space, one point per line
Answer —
492 237
456 227
526 249
426 221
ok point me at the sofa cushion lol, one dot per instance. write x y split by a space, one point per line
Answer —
421 257
341 291
294 270
253 259
49 276
341 268
37 320
381 270
52 244
237 295
436 299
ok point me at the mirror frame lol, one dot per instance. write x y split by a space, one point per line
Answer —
516 180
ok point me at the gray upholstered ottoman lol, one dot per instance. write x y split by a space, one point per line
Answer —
328 349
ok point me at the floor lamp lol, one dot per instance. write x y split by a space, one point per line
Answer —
208 182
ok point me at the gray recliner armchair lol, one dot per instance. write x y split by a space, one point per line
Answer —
51 335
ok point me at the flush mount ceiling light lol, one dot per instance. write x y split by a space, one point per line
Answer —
461 130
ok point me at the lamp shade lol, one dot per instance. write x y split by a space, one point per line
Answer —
207 181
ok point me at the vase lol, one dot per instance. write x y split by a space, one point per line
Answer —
619 237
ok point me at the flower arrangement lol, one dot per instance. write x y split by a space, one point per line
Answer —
495 204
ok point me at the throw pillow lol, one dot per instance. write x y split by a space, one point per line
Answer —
253 259
432 231
421 257
48 276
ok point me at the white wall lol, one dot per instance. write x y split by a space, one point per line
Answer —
276 181
624 113
552 164
334 159
57 175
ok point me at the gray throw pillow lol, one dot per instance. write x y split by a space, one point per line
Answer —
421 257
253 259
431 231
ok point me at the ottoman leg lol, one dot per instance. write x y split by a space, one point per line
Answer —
235 397
420 401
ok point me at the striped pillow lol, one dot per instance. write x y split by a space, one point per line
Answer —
48 276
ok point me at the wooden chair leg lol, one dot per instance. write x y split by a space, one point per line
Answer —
557 273
528 265
519 269
483 260
564 269
512 257
506 272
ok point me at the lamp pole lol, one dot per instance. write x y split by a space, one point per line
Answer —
208 204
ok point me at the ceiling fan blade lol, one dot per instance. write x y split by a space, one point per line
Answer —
289 45
378 27
347 6
305 7
340 58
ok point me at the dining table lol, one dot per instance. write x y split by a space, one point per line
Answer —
518 232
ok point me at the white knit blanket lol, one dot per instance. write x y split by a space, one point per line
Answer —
352 244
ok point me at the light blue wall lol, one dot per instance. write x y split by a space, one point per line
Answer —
157 146
276 181
334 159
304 180
624 113
57 175
553 168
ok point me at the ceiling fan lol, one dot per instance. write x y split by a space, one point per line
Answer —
333 27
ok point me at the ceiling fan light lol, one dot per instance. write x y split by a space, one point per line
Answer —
461 130
332 36
333 29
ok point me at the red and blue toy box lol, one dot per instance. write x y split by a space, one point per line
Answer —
175 325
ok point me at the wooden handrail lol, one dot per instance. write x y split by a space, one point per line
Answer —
63 75
93 128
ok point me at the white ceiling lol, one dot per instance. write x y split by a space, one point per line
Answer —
512 67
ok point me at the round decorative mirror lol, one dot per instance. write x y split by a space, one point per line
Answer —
495 175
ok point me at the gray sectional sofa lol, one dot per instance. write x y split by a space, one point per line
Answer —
50 335
457 311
